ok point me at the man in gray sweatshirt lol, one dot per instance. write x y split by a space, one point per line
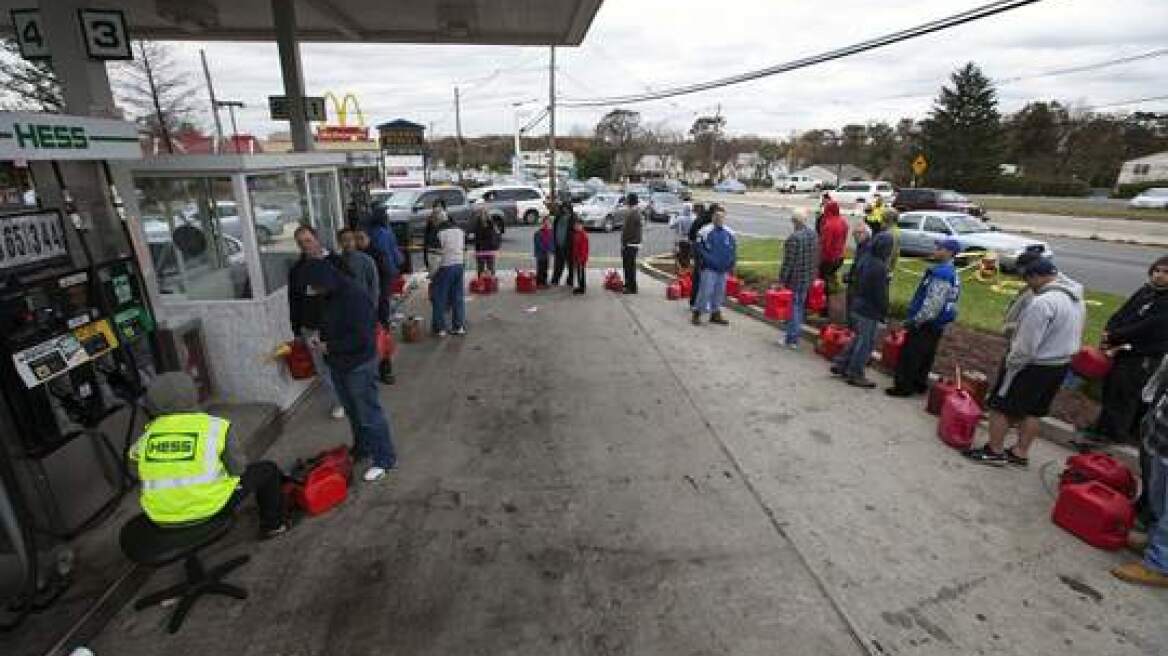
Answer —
1048 334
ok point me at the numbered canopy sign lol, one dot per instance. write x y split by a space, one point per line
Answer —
39 136
105 34
30 33
28 240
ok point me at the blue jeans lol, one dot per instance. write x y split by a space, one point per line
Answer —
1156 556
798 310
855 357
446 294
358 390
711 292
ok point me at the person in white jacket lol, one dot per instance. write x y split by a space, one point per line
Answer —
446 293
1049 332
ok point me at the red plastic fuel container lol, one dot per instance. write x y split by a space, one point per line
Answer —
1091 362
960 414
747 297
890 348
299 360
778 304
1094 513
817 296
398 285
685 283
1101 467
733 286
673 291
833 339
938 392
525 282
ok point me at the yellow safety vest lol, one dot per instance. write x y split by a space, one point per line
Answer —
180 464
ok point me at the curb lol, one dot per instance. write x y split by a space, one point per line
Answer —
1054 430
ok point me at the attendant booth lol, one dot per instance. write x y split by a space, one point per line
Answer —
219 232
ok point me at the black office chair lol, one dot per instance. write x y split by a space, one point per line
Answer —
149 544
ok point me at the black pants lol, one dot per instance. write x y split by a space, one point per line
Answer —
684 254
695 277
916 358
484 264
629 259
581 278
562 261
1122 408
541 271
263 479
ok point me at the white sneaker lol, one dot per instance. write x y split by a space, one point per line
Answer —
338 412
460 331
441 333
373 474
793 346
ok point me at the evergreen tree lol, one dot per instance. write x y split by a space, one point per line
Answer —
963 134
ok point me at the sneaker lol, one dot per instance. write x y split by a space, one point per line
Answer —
794 346
338 412
985 456
897 392
269 533
1141 574
836 371
861 382
1017 461
719 319
441 333
374 473
696 319
460 331
1137 542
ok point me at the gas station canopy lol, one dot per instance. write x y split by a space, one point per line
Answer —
484 22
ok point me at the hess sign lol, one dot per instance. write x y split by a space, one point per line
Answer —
37 136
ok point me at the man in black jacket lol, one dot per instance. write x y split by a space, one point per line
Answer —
631 233
306 308
562 229
868 309
704 216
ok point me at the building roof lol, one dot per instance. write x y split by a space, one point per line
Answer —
1154 158
400 124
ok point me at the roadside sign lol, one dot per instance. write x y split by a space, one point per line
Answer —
280 109
39 136
105 34
919 165
30 33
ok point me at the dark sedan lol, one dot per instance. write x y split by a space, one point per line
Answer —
912 199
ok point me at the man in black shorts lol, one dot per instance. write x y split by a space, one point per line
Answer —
1049 333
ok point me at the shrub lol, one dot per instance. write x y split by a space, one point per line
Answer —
1135 189
1021 186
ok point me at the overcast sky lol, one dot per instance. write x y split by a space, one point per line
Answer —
634 45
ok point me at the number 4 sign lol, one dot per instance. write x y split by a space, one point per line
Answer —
30 35
105 33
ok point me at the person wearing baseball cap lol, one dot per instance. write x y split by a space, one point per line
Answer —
933 306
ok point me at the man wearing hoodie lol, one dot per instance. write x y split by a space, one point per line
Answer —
347 339
833 241
1049 334
868 311
719 253
933 306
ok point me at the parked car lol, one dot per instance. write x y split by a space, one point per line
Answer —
269 221
600 211
580 191
517 203
863 192
1154 198
730 187
641 190
413 207
380 196
662 206
919 232
918 198
797 183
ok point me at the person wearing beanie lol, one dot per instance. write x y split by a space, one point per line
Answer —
933 306
192 469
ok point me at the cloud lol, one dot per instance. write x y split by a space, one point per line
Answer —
635 45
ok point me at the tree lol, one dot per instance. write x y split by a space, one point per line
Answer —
619 130
154 91
596 162
27 85
962 136
1035 137
705 132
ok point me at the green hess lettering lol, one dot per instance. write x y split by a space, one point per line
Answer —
50 136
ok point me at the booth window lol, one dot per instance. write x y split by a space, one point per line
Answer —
194 235
281 202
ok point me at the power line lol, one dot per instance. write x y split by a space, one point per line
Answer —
978 13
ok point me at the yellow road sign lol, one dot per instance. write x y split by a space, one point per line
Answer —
920 164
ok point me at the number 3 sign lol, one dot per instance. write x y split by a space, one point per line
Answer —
105 34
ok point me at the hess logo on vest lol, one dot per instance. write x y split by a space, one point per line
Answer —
171 447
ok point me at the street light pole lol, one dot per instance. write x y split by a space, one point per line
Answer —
552 123
231 105
214 104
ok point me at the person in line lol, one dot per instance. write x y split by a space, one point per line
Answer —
933 306
682 248
1049 334
362 267
702 220
382 246
305 308
631 234
868 312
431 248
797 272
1136 337
192 468
874 214
446 289
487 242
719 254
563 229
1153 569
862 244
580 258
386 302
1014 310
544 246
348 340
822 211
833 242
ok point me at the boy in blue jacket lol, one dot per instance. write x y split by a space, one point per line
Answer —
933 306
718 255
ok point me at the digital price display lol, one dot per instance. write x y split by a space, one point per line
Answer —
29 239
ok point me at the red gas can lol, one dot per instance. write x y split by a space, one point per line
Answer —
817 296
1091 362
833 340
748 297
476 285
959 417
322 482
612 281
733 286
890 348
778 304
673 291
299 360
686 285
525 282
938 392
1100 467
398 285
1095 513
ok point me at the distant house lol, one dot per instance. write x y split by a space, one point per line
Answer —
829 173
1152 168
751 166
658 166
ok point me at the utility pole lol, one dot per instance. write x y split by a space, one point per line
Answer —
214 105
458 132
552 123
231 105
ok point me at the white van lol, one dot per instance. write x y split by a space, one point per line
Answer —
795 183
851 193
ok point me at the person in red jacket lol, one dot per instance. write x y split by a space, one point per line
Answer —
833 240
579 256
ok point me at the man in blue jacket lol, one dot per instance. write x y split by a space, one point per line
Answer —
348 341
719 253
933 306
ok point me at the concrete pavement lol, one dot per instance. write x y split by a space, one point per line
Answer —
596 476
